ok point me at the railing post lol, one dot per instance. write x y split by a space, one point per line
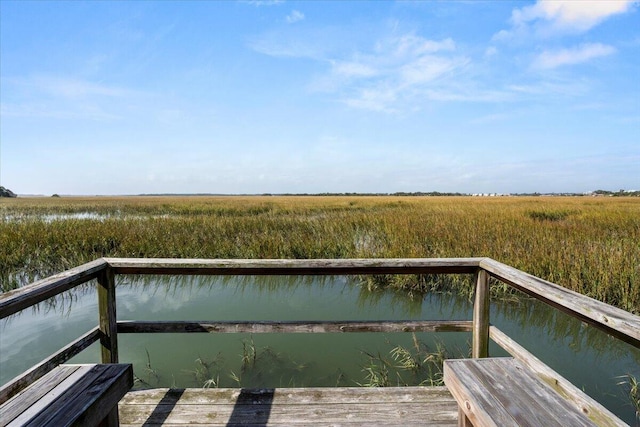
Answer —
107 311
480 345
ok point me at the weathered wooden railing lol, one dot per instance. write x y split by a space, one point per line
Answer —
616 322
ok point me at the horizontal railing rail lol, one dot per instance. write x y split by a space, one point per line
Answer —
616 322
293 267
267 327
18 299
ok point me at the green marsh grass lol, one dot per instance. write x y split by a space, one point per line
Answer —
417 365
590 245
631 386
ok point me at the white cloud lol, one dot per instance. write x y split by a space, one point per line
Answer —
412 45
43 110
567 87
376 99
295 16
395 70
583 53
491 118
66 87
426 69
45 96
580 15
353 69
294 43
259 3
75 88
491 51
547 17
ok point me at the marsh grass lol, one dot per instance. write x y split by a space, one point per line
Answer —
590 245
631 386
407 366
634 395
151 375
207 372
264 366
259 366
549 215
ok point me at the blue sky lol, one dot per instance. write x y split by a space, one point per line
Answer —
275 97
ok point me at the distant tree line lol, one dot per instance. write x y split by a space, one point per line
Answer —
5 192
399 193
619 193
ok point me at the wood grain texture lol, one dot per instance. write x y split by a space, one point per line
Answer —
18 299
107 316
502 392
70 395
350 423
293 326
581 401
94 400
293 266
37 371
19 405
266 407
480 342
619 323
291 396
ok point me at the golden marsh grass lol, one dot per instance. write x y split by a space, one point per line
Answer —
588 244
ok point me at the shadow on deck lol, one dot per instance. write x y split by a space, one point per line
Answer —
392 406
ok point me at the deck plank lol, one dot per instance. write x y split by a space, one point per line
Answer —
69 395
315 424
501 392
19 406
318 406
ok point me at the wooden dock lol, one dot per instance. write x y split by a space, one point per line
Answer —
326 406
348 406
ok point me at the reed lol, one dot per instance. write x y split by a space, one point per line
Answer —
407 366
590 245
631 387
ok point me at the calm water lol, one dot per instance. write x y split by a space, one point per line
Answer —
590 359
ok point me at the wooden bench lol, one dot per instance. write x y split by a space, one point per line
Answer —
503 392
70 395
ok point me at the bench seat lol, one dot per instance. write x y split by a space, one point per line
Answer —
70 395
503 392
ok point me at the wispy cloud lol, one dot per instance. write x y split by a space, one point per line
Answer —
349 69
396 70
491 51
393 70
553 59
260 3
63 98
293 46
67 87
548 17
295 16
376 99
44 110
542 88
491 118
77 88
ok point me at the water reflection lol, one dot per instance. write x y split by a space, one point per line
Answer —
588 357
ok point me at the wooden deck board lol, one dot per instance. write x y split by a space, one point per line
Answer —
286 406
70 395
502 392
